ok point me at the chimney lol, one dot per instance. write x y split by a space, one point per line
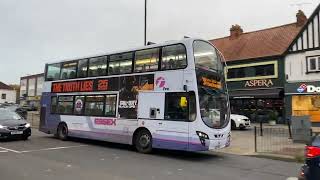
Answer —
301 18
235 31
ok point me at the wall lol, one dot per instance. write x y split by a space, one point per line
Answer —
296 67
10 96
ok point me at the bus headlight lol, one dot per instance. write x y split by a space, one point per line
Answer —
2 127
202 135
27 125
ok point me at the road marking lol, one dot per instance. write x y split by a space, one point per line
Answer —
55 148
11 150
3 151
292 178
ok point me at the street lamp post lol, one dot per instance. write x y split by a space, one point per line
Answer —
145 22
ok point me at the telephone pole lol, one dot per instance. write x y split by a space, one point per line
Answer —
145 22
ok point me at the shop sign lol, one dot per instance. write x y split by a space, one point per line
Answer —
308 88
259 83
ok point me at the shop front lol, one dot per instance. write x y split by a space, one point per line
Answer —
304 98
260 100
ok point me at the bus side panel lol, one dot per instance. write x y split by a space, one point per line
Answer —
48 121
100 128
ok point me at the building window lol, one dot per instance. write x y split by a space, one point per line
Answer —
94 105
68 70
39 85
3 96
307 105
98 66
53 72
31 87
120 63
110 109
252 71
313 64
23 87
146 60
82 68
174 57
65 104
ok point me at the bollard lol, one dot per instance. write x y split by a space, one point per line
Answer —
289 128
261 130
255 138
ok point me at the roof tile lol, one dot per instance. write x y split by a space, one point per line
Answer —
4 86
263 43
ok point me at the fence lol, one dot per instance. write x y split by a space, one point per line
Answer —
33 118
278 140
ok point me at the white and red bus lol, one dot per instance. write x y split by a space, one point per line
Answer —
171 96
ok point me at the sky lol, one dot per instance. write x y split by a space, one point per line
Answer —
36 32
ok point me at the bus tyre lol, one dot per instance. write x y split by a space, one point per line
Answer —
143 141
62 132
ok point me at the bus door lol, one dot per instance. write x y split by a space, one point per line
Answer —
168 115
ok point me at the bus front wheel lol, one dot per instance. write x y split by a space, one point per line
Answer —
62 132
143 141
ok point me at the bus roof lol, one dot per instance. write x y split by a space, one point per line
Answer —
183 41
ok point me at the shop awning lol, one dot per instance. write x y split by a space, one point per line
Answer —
257 93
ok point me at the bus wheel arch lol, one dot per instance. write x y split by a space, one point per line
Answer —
62 131
142 140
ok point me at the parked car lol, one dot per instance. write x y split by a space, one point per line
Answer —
15 108
239 121
29 107
311 169
13 126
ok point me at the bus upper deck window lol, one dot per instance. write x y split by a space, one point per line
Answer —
82 68
68 70
174 57
53 72
146 60
98 66
120 63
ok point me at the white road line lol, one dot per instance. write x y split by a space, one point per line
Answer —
292 178
3 151
55 148
11 150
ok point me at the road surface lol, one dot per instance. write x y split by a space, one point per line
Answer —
44 158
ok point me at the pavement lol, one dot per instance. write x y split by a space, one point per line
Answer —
242 142
44 158
276 145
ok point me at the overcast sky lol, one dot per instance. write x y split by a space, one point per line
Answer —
34 32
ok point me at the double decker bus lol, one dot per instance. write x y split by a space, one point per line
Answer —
171 96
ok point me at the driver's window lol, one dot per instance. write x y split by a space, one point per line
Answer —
180 107
176 107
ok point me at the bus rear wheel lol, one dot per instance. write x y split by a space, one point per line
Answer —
143 141
62 132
